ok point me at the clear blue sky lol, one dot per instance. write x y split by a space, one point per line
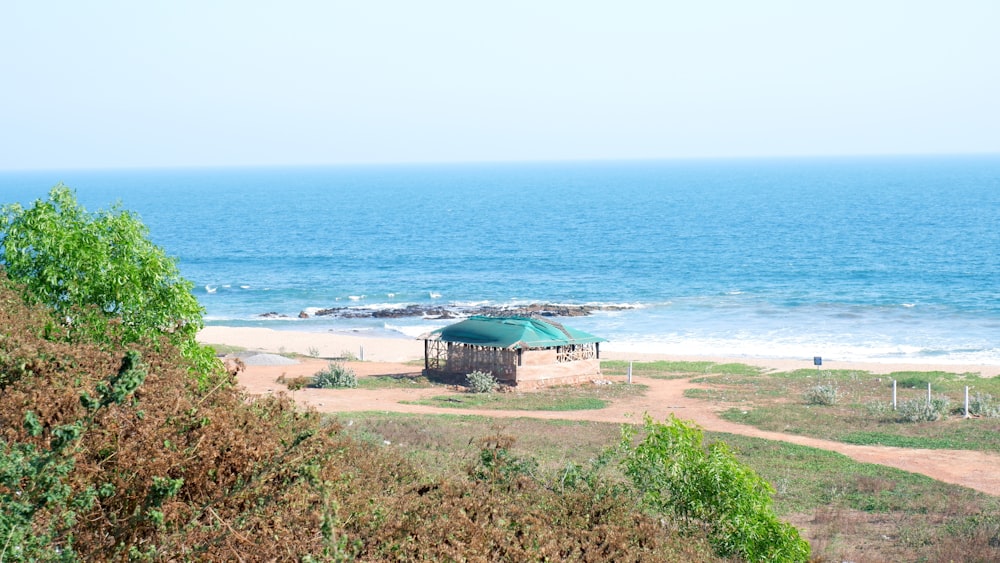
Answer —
202 83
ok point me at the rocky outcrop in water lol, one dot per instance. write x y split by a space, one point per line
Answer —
452 312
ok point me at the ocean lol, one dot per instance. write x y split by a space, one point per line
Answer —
886 259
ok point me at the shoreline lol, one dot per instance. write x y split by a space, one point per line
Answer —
401 350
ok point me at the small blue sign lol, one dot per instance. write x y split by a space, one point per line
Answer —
817 361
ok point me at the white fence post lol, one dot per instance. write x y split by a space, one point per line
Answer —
893 394
966 401
630 372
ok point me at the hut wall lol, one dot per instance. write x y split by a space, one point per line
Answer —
530 376
538 357
464 358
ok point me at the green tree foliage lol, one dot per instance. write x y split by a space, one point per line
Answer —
708 487
99 271
70 258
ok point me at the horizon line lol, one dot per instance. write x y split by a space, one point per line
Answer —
418 163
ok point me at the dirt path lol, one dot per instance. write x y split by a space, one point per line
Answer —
976 470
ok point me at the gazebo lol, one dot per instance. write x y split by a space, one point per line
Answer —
519 351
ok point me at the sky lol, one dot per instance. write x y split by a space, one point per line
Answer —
115 84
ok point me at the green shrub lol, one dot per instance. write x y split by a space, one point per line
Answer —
880 410
103 277
497 465
68 257
983 404
335 375
919 410
708 487
917 381
822 395
481 382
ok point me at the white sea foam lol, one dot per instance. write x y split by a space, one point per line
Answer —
788 349
434 295
414 331
469 304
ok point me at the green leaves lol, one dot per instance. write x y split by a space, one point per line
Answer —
102 277
675 473
32 424
71 259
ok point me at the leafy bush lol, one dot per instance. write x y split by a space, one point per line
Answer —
481 382
335 375
498 465
822 395
709 487
68 258
103 277
983 404
919 410
880 410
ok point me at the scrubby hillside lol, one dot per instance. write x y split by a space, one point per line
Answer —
113 452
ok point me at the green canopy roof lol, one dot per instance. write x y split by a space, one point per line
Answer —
511 332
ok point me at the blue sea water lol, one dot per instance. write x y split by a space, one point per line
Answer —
882 259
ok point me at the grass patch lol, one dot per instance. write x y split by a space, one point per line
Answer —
223 349
444 444
715 395
395 382
502 402
883 439
779 402
674 369
562 398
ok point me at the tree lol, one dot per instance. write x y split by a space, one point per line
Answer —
75 261
70 258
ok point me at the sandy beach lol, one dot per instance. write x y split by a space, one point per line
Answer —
331 345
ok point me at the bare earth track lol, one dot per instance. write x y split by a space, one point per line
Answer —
976 470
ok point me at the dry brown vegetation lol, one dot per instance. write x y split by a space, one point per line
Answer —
173 472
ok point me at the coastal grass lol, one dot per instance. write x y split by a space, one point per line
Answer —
444 444
663 369
559 398
404 381
223 349
846 509
862 412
